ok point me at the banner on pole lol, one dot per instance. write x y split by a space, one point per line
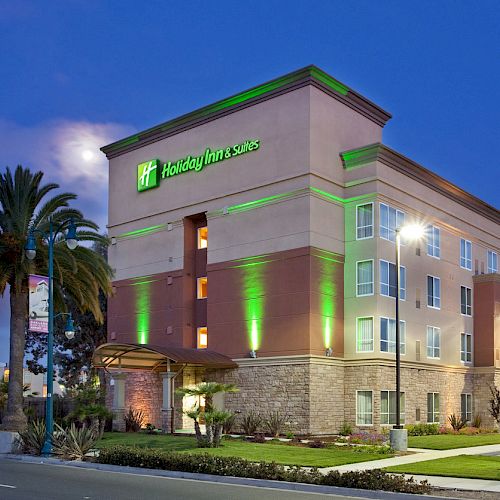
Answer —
39 303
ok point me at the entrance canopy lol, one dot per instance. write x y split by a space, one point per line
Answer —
151 357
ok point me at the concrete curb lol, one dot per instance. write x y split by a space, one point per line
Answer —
261 483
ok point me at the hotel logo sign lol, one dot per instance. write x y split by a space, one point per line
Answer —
151 172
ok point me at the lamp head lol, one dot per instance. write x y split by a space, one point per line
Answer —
30 247
412 231
69 330
71 236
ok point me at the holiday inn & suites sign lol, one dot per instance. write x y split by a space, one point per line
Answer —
151 172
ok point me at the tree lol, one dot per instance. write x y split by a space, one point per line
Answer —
80 273
214 418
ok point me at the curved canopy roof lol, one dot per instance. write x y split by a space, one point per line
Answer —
151 357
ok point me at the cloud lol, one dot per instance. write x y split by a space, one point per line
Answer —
68 153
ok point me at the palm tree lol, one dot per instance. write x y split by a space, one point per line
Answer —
80 273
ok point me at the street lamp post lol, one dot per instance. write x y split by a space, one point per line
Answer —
30 250
398 435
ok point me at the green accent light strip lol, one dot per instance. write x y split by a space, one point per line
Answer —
143 310
235 100
142 232
328 291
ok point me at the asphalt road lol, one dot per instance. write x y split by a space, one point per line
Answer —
27 481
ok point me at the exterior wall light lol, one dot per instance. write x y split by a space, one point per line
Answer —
329 352
253 354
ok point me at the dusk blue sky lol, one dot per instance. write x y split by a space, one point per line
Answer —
78 74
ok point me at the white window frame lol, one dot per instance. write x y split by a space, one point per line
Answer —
466 261
198 288
433 421
402 283
357 334
468 307
398 214
357 414
402 408
492 262
431 241
364 227
435 298
402 333
464 353
434 330
468 406
372 282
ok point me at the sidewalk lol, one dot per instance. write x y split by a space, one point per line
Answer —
420 455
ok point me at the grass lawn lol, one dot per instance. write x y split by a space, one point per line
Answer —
452 441
469 466
270 452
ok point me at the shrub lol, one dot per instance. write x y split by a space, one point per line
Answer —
32 438
239 467
251 422
317 443
456 422
150 428
422 429
494 403
346 429
476 421
259 438
367 438
134 420
373 449
469 431
229 424
274 423
74 442
444 429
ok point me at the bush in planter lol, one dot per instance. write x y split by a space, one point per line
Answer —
317 443
346 429
133 420
73 443
274 423
367 438
238 467
457 422
422 429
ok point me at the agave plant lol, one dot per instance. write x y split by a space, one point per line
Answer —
73 443
32 438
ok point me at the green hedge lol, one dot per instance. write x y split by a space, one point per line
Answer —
422 429
239 467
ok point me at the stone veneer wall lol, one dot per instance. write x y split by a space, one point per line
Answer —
415 383
284 388
143 390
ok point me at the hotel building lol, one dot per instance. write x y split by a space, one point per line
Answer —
253 242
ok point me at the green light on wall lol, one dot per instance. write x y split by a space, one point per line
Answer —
328 291
143 310
253 300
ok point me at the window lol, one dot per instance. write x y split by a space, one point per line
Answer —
388 335
201 288
202 334
466 347
364 408
433 341
364 334
434 241
364 278
466 254
466 301
492 262
364 221
202 237
433 292
388 280
390 219
388 407
466 406
433 407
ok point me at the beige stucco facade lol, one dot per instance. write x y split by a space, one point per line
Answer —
282 226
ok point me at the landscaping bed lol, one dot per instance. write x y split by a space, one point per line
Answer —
270 451
465 466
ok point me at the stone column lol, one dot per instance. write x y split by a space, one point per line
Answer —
119 401
167 410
